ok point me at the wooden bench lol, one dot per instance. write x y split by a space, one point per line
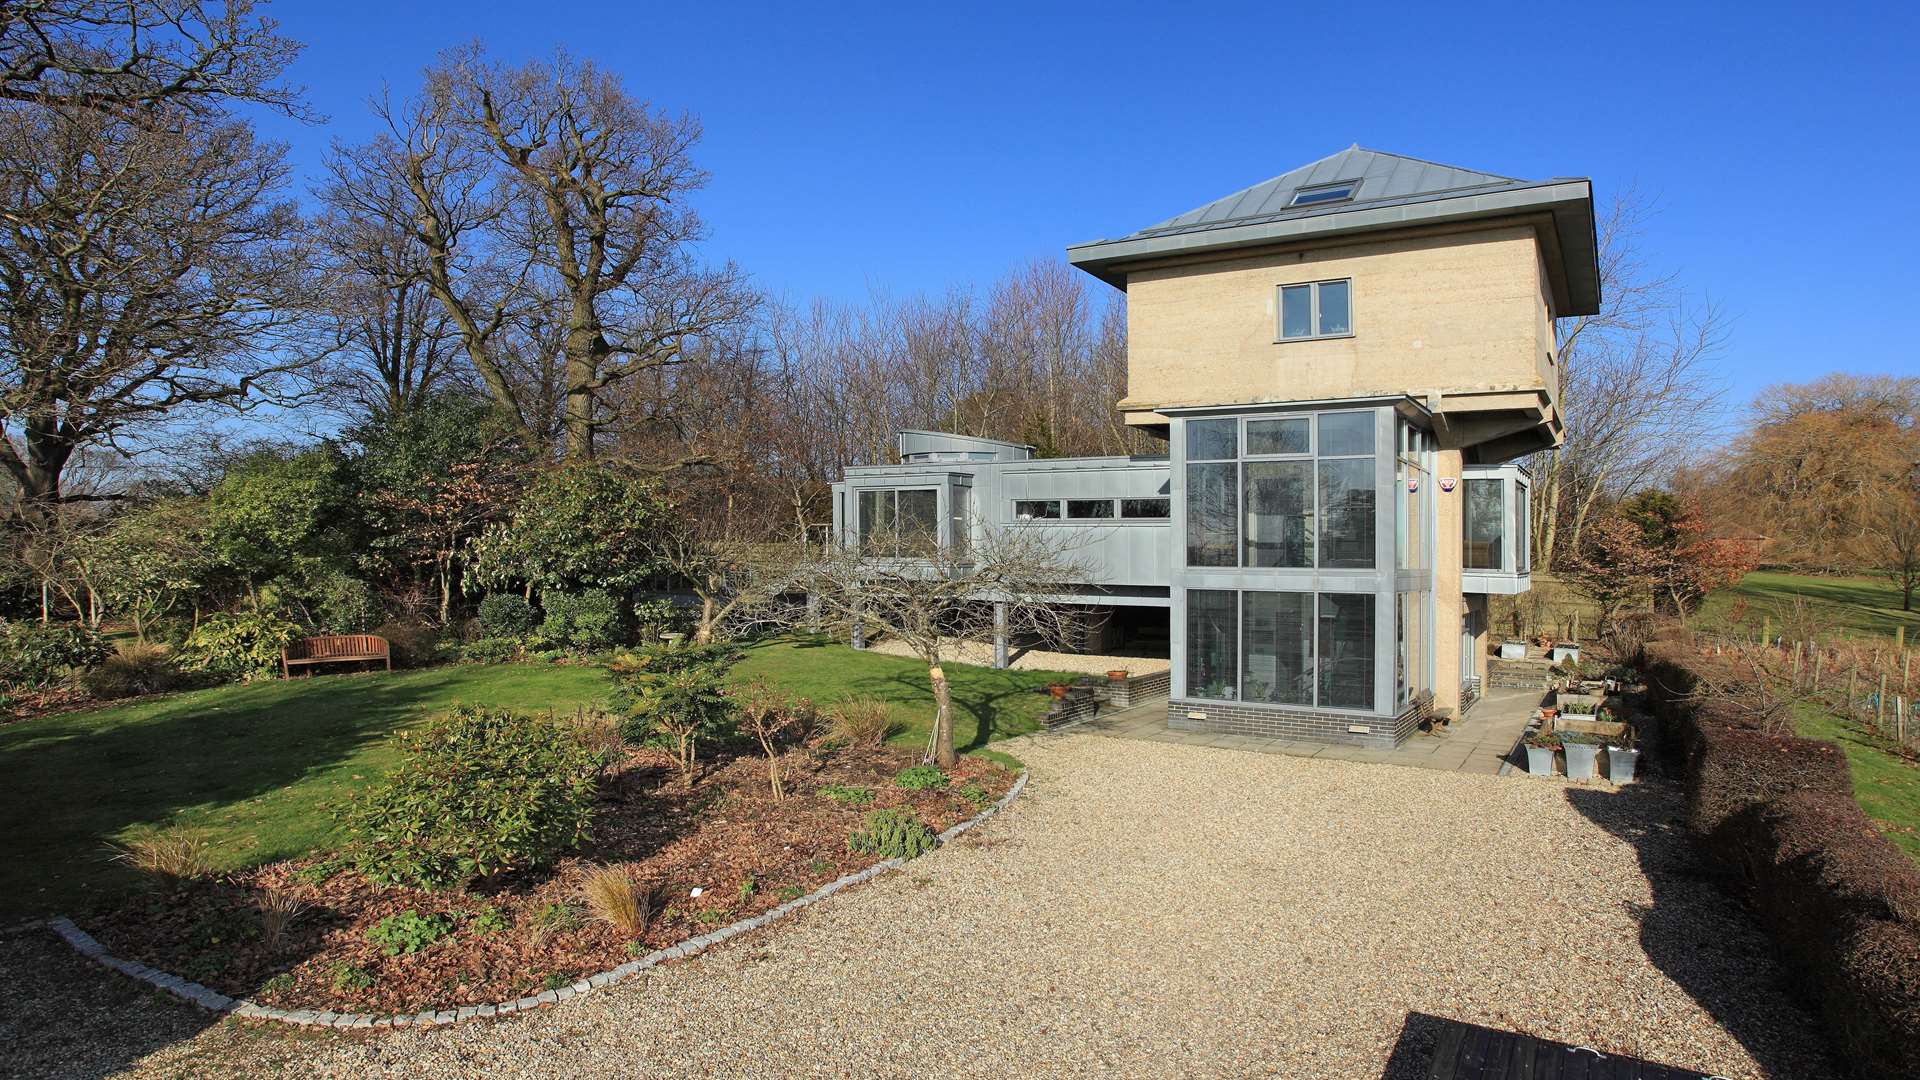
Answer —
334 649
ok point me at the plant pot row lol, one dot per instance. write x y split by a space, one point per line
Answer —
1582 759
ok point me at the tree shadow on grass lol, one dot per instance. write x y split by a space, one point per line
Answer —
984 705
76 782
1700 937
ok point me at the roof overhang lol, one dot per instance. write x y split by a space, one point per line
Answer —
1571 251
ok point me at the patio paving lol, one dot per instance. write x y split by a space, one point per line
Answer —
1483 742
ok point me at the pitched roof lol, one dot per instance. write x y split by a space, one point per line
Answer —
1391 191
1380 176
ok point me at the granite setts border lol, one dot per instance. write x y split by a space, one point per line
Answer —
214 1001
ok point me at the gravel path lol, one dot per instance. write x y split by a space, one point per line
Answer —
1151 909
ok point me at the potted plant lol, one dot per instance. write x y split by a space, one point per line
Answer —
1513 650
1117 674
1541 743
1058 690
1623 757
1566 652
1582 750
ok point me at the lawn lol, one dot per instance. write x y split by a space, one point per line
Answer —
250 766
987 704
1860 606
1887 786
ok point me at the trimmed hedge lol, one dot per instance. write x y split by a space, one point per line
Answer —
1840 901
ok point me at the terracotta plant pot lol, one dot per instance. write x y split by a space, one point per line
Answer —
1117 674
1058 690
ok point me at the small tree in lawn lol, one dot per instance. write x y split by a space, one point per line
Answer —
772 720
934 597
1897 527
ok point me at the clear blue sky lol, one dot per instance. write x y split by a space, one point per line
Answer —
909 147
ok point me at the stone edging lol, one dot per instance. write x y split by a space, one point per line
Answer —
215 1001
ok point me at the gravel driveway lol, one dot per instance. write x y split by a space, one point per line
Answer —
1149 909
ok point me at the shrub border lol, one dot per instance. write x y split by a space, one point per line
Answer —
214 1001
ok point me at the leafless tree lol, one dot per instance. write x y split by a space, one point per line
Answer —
146 270
1636 379
934 597
141 59
1897 527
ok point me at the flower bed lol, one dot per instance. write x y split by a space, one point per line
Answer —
704 855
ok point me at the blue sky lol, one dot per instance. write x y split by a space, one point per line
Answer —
908 147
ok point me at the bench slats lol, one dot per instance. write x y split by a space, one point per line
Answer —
329 648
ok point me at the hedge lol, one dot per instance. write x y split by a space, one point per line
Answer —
1839 900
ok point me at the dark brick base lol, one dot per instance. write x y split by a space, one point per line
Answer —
1297 724
1129 692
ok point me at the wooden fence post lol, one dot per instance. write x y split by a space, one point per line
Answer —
1880 704
1819 662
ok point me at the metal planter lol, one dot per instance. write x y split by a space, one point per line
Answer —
1539 761
1580 759
1621 764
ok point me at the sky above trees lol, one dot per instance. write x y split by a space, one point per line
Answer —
899 149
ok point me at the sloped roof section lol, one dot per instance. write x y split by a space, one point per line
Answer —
1390 191
1380 177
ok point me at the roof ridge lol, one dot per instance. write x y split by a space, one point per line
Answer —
1424 161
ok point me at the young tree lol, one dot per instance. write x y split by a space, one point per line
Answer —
933 597
1898 528
1685 561
1613 567
151 560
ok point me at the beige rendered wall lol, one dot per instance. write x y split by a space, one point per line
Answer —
1450 312
1449 604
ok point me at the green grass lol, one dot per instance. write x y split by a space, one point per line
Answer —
1887 785
1857 606
988 705
250 766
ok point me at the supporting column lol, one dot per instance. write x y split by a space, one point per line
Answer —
1000 634
859 630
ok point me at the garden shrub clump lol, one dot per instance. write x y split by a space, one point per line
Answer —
1840 901
131 670
588 621
478 792
242 645
34 654
504 615
920 778
893 834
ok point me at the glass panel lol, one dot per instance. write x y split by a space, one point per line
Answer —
1321 195
960 522
1481 530
1145 508
1279 513
1213 440
1036 510
1346 513
876 517
1278 436
1212 633
919 518
1212 536
1089 508
1334 303
1521 523
1346 433
1278 647
1296 311
1400 606
1346 650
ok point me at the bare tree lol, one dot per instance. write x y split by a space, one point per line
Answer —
934 597
1636 377
1897 527
139 58
146 270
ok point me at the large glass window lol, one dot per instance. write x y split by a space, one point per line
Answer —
1149 509
1213 633
1278 646
1278 496
1522 522
892 520
1089 509
1482 530
1036 510
1346 650
1271 505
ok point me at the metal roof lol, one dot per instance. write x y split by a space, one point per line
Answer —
1391 191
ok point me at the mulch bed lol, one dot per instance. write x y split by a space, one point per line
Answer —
724 835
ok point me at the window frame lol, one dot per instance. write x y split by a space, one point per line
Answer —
1059 507
1280 336
1165 514
940 505
1351 188
1111 515
1237 644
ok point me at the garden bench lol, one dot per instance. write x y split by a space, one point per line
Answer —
334 649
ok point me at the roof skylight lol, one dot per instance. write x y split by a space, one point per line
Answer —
1324 193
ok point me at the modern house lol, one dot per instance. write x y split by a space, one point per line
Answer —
1345 360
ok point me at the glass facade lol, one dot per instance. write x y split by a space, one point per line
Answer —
1268 506
1484 525
895 519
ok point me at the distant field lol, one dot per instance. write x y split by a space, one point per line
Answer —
1887 785
1859 606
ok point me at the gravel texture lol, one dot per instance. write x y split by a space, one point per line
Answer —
981 655
1151 909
